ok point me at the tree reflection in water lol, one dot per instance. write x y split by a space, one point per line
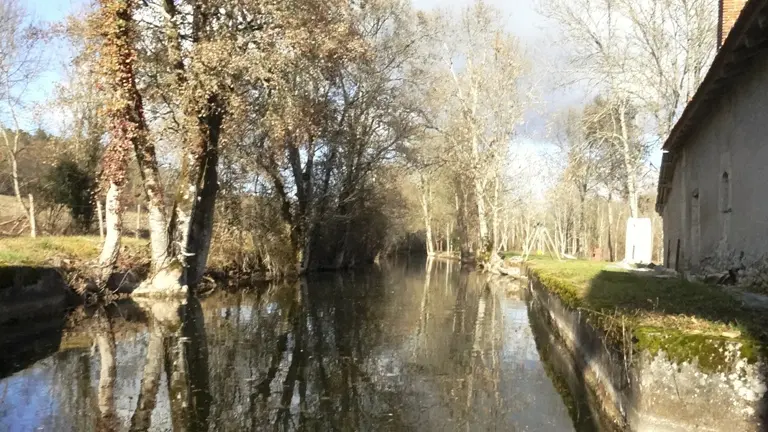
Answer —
413 347
176 344
105 339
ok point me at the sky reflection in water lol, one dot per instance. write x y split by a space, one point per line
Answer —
396 349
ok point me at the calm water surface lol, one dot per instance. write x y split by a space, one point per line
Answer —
408 347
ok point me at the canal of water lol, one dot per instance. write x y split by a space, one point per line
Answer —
407 346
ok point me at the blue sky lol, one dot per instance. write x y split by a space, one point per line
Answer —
56 55
54 10
532 29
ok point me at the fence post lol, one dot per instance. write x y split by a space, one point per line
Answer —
32 222
101 218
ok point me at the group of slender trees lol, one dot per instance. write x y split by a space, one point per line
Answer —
309 134
302 99
644 59
320 103
639 62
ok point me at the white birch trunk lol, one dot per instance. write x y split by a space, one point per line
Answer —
114 226
629 166
482 222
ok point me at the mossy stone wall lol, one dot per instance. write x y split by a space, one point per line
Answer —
658 380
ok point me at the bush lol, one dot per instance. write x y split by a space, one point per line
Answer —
69 185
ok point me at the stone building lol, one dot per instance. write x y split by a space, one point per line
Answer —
713 183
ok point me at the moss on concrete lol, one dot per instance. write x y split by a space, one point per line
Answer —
688 321
713 353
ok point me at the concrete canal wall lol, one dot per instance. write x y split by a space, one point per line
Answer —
645 391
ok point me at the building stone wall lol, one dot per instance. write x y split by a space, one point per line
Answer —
718 206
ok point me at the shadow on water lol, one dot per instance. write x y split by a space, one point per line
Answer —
409 347
30 293
561 369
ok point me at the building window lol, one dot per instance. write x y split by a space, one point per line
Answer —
725 193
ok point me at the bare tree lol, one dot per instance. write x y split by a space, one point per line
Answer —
20 65
647 57
479 66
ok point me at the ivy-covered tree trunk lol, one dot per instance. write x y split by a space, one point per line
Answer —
127 129
157 217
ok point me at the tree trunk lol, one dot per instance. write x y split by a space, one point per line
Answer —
114 227
138 221
465 243
582 236
629 165
481 215
14 173
157 220
495 216
448 237
504 242
12 150
600 230
617 232
611 251
303 220
128 125
426 198
200 230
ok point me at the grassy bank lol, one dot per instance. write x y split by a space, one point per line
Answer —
75 254
687 320
52 251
